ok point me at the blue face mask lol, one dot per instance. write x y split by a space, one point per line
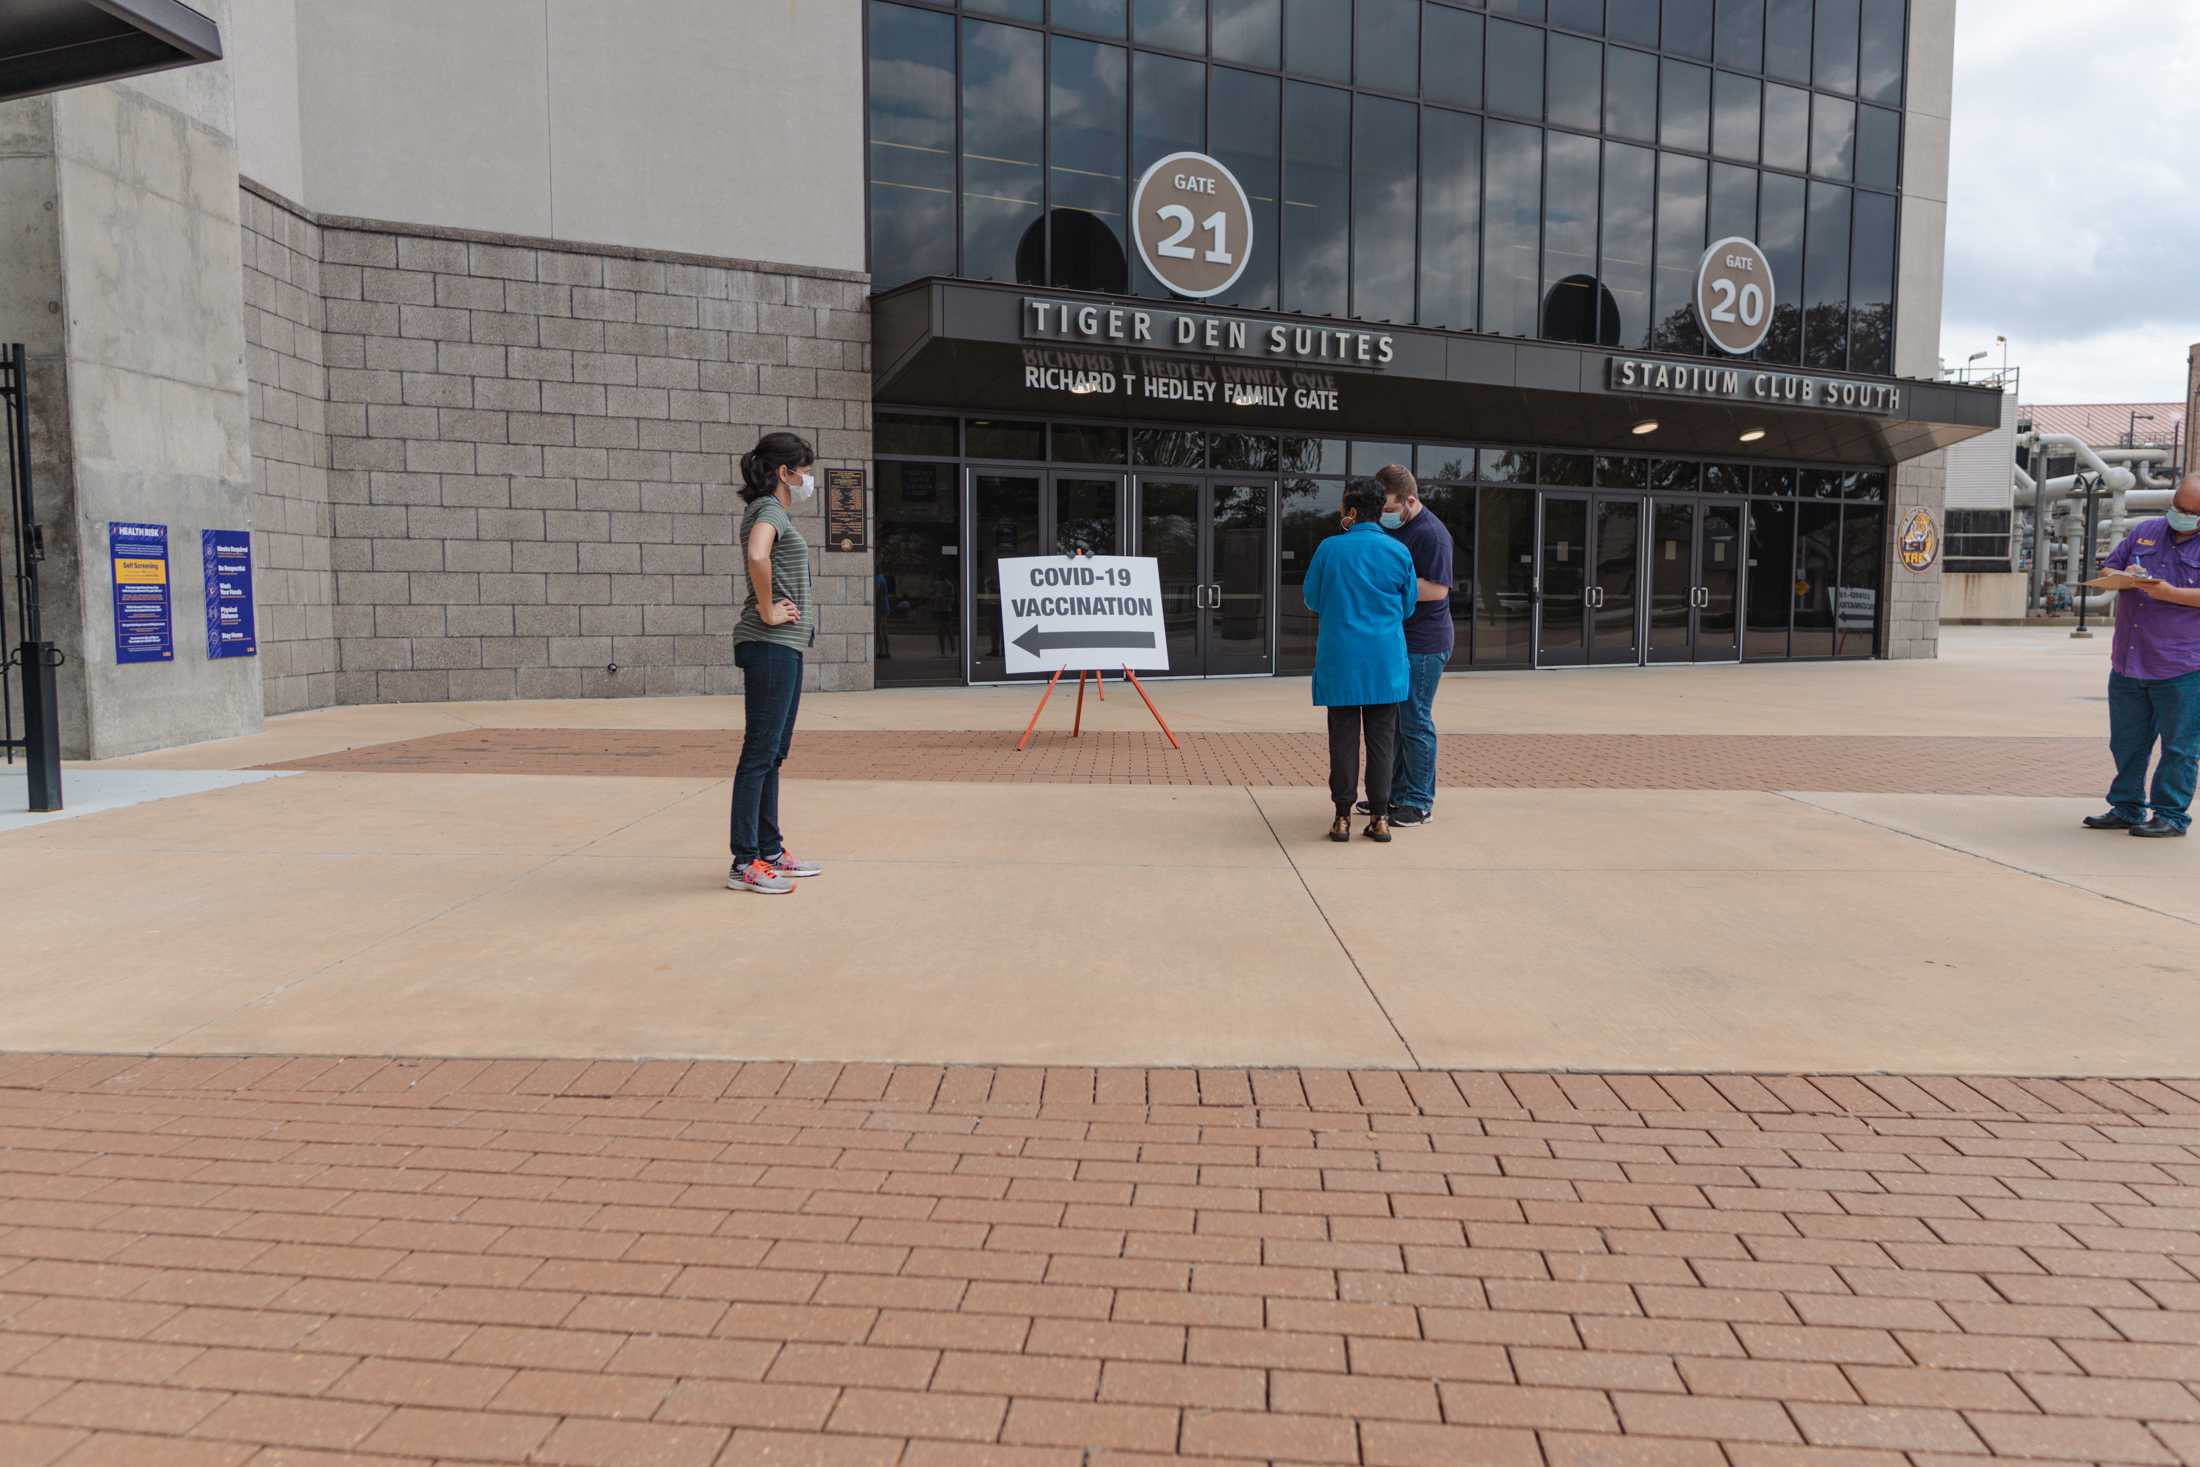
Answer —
1394 521
2182 523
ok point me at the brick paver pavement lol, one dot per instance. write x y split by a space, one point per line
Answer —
1856 764
312 1262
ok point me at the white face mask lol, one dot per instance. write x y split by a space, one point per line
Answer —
805 487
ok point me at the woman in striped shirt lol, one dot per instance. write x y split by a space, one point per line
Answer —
778 624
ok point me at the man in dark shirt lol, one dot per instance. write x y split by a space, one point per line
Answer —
1428 642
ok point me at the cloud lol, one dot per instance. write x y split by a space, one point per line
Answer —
2070 226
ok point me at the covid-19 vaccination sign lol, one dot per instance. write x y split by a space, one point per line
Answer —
1082 613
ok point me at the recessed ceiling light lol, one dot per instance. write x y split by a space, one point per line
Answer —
1647 425
1753 435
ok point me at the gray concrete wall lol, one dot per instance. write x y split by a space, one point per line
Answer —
261 46
1913 609
141 381
31 296
291 516
534 455
723 127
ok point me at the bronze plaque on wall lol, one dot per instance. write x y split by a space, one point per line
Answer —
844 510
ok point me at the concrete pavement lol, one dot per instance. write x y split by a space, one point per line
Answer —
1562 928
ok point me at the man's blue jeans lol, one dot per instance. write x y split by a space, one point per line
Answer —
1413 786
2139 713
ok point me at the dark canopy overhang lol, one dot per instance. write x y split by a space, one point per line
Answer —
46 45
962 345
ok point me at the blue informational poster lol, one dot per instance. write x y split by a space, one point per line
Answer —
229 626
145 627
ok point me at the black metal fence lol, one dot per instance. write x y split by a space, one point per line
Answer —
31 660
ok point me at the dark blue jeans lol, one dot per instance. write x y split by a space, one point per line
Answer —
1413 784
771 685
2141 712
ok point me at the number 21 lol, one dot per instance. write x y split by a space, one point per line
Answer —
1216 224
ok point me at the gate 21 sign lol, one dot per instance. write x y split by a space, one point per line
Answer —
1734 295
1193 224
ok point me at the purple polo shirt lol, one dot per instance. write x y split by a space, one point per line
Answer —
2155 639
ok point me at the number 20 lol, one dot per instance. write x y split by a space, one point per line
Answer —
1752 300
1216 224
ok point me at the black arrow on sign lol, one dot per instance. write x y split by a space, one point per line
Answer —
1034 641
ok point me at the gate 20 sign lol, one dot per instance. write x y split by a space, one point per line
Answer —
1734 295
1193 224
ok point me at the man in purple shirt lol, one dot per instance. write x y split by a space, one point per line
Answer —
2154 677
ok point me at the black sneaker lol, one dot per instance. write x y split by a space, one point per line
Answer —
1405 817
2158 829
2110 821
1364 808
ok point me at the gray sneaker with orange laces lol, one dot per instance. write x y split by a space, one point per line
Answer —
759 877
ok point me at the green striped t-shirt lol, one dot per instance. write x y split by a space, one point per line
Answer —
790 578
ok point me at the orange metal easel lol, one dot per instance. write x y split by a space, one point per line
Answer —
1099 680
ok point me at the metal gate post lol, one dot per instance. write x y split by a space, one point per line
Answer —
35 657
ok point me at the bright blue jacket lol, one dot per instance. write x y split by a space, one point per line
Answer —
1361 585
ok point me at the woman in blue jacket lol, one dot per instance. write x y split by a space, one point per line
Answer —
1361 585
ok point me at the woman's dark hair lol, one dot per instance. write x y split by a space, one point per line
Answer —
1365 501
760 466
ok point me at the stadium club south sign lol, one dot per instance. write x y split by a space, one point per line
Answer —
1647 377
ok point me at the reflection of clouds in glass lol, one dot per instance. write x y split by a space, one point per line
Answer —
1247 31
1317 158
912 235
913 102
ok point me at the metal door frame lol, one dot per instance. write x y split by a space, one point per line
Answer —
1205 481
1048 529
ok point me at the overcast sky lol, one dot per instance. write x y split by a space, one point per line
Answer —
2072 210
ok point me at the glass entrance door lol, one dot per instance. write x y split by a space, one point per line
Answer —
1719 582
1030 512
1214 542
1562 582
1590 585
1241 558
1004 523
1674 591
1615 602
1168 530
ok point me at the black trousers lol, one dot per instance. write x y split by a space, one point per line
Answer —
1381 723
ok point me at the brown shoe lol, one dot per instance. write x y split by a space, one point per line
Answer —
1378 828
1341 830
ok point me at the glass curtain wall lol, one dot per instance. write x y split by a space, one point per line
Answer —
1815 539
1547 168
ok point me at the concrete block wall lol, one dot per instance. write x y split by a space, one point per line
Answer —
533 455
1913 597
292 522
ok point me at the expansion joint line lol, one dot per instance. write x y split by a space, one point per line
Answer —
1335 936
